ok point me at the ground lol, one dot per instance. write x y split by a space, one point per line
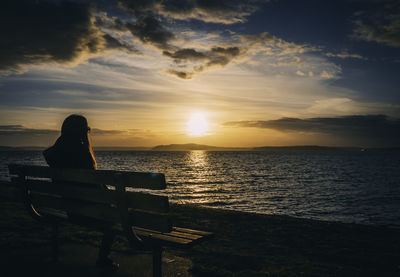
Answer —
244 244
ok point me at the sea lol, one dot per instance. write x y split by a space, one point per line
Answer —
336 185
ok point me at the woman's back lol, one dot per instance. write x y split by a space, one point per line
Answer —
66 154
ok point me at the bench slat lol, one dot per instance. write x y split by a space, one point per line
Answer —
156 221
185 235
68 190
161 237
191 231
136 200
100 177
94 210
174 237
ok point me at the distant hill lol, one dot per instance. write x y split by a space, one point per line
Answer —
302 148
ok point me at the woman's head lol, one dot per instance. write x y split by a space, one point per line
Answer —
75 130
75 127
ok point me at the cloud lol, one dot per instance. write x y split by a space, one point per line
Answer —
181 74
43 26
19 130
216 56
220 11
271 45
114 23
186 54
100 132
345 55
150 30
273 55
327 75
377 129
38 32
18 135
380 24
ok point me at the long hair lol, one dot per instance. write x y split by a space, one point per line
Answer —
75 129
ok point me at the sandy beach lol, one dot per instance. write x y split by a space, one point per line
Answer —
244 244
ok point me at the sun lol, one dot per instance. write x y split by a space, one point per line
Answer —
197 125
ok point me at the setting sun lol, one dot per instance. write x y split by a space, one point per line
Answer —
197 125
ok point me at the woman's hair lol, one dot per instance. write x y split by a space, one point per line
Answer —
75 129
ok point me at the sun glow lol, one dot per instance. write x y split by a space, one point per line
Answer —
197 125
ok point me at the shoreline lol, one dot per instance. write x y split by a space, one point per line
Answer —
244 244
3 185
250 213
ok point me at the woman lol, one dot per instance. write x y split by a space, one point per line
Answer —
73 150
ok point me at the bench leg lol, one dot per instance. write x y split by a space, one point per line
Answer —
55 242
157 262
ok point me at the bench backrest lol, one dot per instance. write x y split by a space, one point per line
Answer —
84 192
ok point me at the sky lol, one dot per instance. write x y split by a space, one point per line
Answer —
223 73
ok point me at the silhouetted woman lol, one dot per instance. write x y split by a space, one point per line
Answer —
73 150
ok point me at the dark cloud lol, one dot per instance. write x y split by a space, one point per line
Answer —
186 54
181 74
145 26
100 132
378 130
69 32
10 127
36 32
380 24
227 52
140 6
217 56
19 130
150 30
18 135
102 20
115 44
216 11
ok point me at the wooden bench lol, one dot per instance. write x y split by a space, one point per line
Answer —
53 195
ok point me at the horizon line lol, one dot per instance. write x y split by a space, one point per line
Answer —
179 147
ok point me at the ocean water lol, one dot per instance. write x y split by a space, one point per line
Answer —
346 186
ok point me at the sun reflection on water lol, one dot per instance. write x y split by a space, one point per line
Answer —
198 158
198 164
